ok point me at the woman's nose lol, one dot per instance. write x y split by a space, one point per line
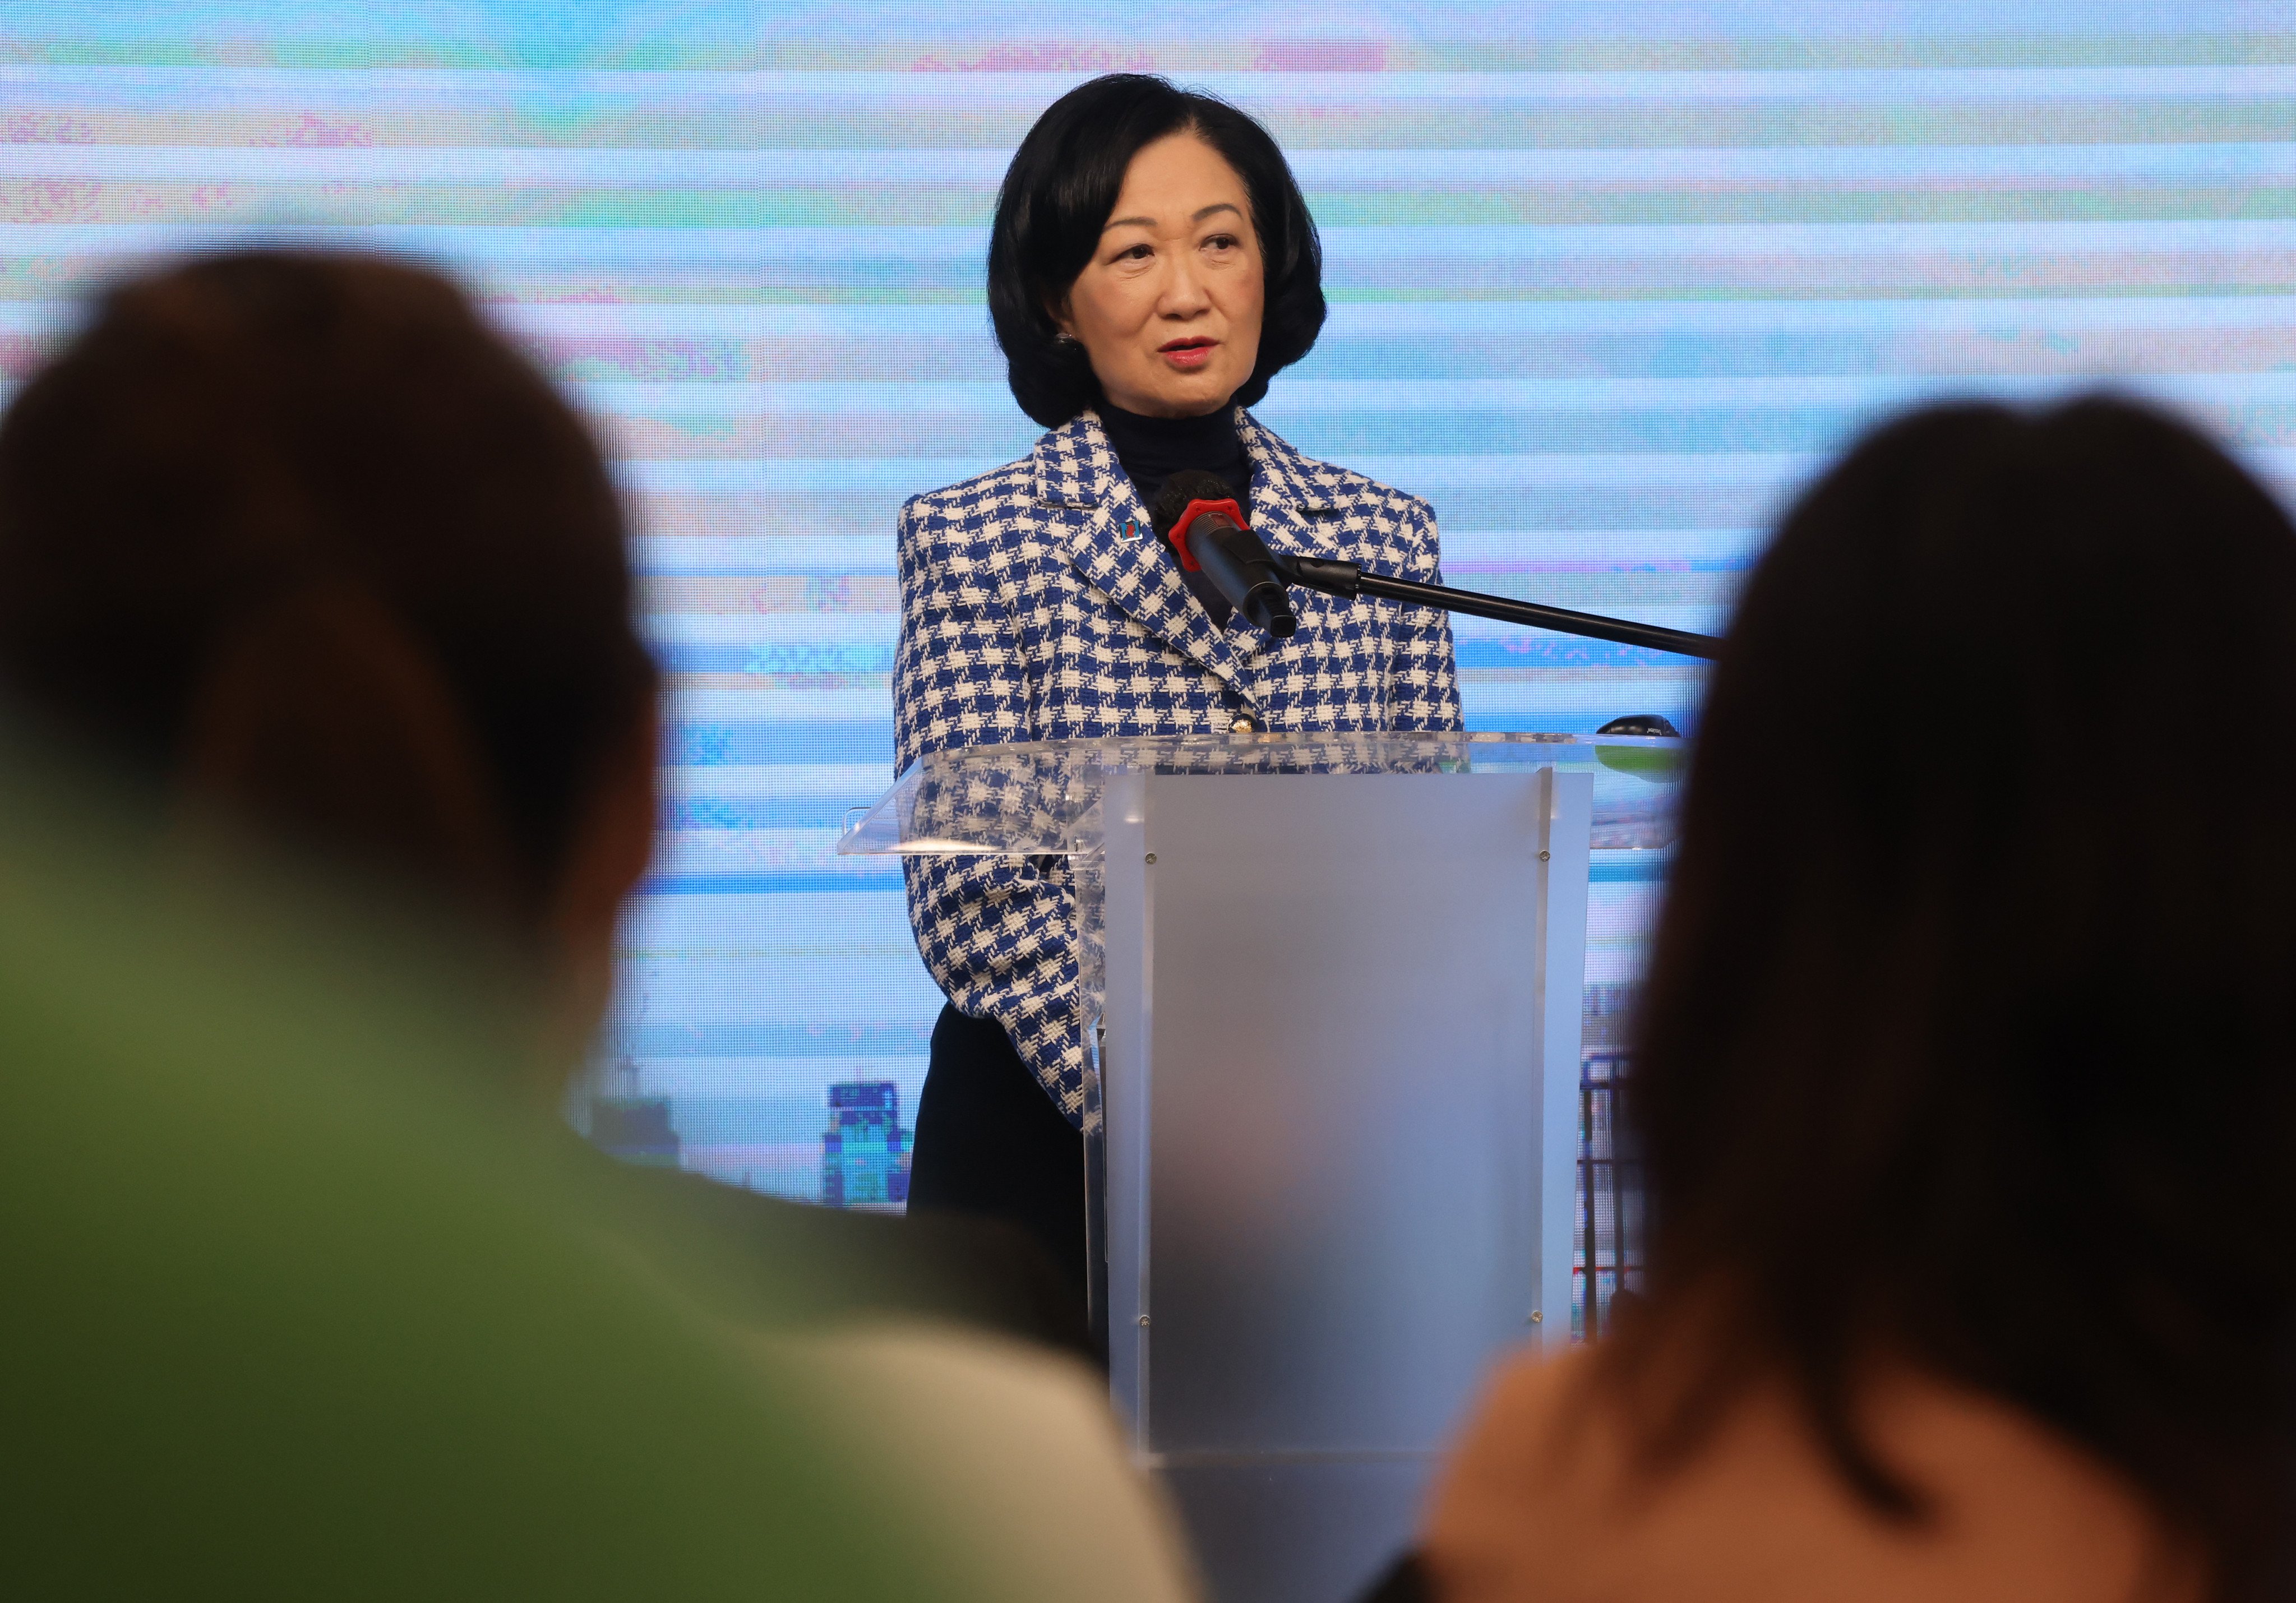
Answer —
1184 293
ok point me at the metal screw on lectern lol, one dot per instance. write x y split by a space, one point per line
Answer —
1144 1319
1152 857
1544 856
1536 1316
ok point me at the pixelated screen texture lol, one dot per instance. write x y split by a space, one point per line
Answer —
1606 283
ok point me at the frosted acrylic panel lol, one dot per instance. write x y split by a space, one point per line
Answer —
1344 1102
1341 1105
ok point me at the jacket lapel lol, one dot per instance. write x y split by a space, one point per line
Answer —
1282 498
1078 473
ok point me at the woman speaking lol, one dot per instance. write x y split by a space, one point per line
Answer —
1152 266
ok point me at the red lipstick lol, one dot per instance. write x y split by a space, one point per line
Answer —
1187 354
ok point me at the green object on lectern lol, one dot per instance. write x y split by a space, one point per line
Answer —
1659 765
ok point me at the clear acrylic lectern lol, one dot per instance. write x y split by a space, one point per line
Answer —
1331 990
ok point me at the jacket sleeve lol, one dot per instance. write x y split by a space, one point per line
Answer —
995 933
1423 678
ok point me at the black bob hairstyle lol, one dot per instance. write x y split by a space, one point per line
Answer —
1058 195
1970 1035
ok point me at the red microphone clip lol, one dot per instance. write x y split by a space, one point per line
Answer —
1178 532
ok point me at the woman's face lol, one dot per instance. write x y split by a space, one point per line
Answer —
1169 308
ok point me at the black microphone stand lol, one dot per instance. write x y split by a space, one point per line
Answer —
1349 580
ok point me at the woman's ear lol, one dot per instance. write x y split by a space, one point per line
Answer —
606 856
1058 311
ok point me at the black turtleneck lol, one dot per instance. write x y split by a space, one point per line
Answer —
1152 449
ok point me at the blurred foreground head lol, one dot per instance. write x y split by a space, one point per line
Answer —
300 535
1970 1035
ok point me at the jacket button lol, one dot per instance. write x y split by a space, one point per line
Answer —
1243 723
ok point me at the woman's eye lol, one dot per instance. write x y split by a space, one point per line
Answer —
1221 242
1137 253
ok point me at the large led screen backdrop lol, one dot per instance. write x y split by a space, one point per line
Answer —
1606 281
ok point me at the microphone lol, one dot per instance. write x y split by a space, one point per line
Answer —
1195 511
1198 514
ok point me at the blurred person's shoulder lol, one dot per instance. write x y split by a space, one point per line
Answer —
936 1351
308 1290
1549 1496
1017 1454
795 1265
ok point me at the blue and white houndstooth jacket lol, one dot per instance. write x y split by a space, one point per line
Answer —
1037 605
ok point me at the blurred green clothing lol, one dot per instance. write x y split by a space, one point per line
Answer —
816 1267
300 1302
